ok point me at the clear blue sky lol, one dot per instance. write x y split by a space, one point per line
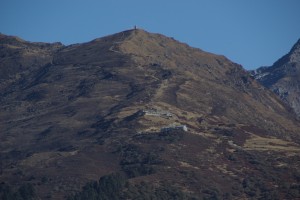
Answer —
249 32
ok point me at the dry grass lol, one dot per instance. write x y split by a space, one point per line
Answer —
259 143
44 158
187 165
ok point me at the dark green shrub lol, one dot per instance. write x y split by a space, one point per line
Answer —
24 192
135 162
107 188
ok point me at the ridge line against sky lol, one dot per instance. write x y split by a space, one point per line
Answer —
252 33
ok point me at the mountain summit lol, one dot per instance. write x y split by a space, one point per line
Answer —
175 121
283 77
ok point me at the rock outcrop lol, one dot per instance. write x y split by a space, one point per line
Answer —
283 78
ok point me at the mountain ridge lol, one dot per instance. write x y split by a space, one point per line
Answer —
119 104
283 77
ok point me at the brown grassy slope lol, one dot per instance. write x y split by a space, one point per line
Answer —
76 118
206 83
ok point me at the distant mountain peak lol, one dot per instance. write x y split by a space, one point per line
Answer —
295 52
296 46
283 77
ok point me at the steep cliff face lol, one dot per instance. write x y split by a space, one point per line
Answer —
283 77
147 106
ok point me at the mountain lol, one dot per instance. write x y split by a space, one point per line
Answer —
283 77
172 121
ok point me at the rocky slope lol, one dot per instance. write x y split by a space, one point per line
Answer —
283 77
122 103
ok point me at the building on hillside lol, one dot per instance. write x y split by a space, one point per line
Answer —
174 127
157 113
